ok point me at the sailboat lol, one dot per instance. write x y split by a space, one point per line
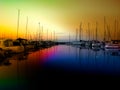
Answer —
77 42
88 43
96 43
104 39
113 44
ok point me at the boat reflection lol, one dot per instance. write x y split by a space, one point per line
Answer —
7 62
60 62
96 48
113 52
20 56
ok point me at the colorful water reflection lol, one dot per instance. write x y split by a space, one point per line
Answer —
21 70
72 58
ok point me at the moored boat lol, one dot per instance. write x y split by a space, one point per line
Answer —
10 46
114 44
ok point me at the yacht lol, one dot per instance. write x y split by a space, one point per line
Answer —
10 46
114 44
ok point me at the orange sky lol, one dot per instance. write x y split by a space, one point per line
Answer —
61 16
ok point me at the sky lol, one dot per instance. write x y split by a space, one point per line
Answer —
60 16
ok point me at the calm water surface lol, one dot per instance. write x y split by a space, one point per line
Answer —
58 63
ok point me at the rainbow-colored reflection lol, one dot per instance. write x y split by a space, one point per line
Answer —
26 70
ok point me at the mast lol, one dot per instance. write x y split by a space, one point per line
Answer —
93 34
26 27
47 34
104 29
76 34
54 36
88 31
80 31
51 36
39 31
96 30
42 34
115 30
69 37
18 22
109 35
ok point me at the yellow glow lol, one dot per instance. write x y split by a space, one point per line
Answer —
57 15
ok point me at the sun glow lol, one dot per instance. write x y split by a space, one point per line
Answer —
56 16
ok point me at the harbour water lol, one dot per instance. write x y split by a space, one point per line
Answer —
64 63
